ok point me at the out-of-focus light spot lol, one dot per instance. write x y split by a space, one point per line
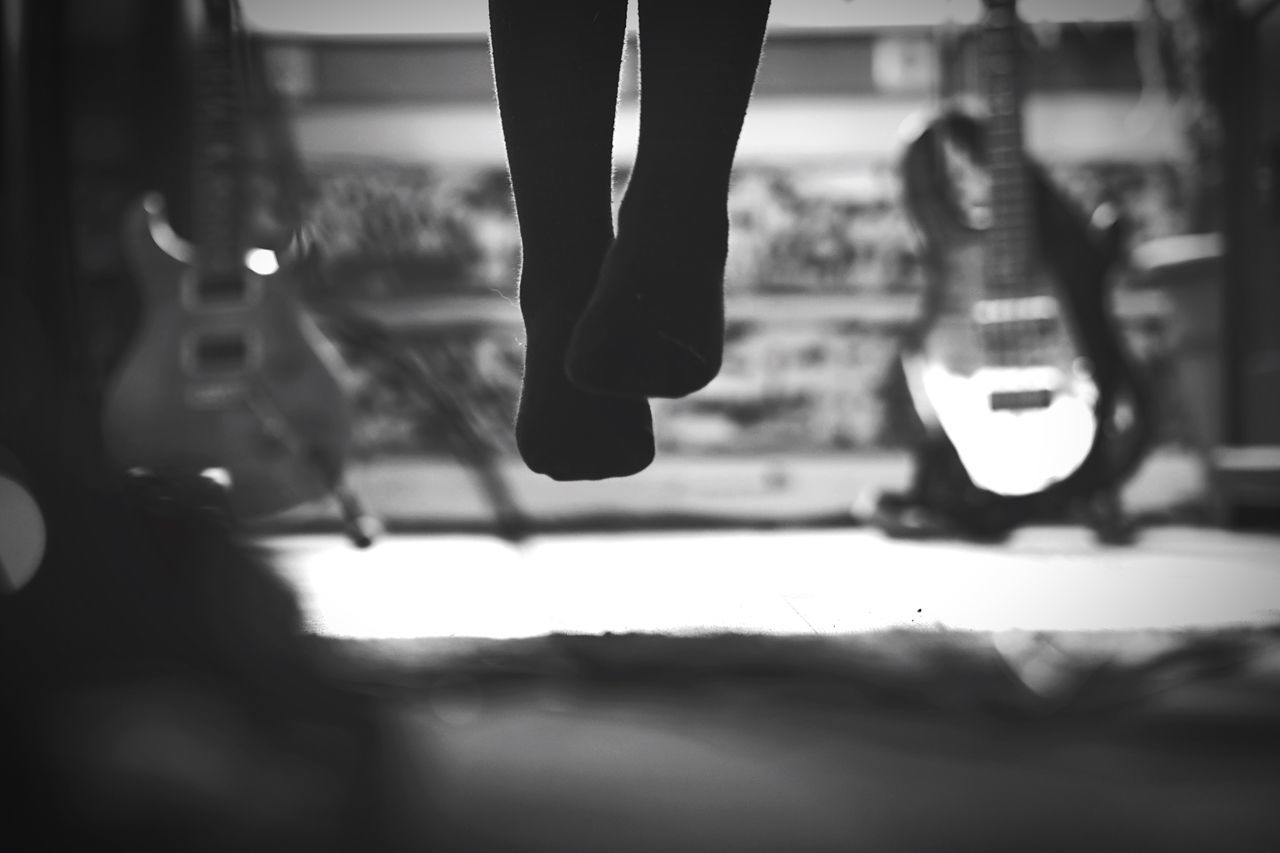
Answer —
262 261
22 535
221 476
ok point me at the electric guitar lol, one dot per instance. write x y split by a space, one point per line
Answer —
1027 396
228 375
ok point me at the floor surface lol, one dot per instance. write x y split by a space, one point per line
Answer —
784 582
784 737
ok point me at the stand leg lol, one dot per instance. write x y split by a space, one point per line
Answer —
1105 515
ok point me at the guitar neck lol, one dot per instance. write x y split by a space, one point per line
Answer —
218 168
1010 235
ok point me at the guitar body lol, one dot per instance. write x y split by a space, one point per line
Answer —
247 385
228 377
1028 401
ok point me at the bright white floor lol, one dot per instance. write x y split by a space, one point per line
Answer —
566 770
821 582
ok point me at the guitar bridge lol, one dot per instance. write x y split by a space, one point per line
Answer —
1018 309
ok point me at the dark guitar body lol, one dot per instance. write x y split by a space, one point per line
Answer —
1077 256
277 422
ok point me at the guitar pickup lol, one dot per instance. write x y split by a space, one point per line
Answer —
1021 400
229 352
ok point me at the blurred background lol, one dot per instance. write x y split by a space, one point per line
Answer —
1133 104
720 657
377 141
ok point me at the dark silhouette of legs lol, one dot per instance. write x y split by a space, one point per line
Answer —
556 65
610 321
655 325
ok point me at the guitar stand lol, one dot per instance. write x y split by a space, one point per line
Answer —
209 492
1105 515
434 391
360 525
900 516
941 503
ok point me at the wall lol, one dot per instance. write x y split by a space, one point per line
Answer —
819 96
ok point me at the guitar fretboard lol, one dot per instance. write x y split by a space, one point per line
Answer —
218 198
1010 235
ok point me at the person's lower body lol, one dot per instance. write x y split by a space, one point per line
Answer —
612 319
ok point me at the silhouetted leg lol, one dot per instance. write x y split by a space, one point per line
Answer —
655 325
556 66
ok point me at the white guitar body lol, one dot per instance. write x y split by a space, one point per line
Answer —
1010 452
1004 379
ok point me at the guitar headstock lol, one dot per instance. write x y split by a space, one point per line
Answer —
1002 28
1002 9
1002 25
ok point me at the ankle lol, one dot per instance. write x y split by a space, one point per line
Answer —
554 288
673 206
